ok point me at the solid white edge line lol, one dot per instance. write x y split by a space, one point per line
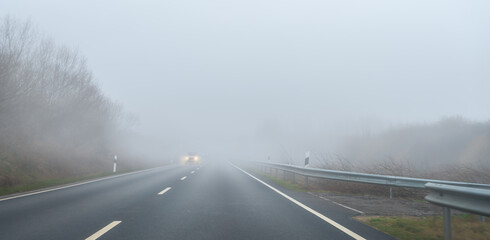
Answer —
164 191
72 185
103 230
183 178
321 216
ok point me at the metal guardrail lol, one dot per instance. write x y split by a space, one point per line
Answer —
386 180
468 197
462 198
474 200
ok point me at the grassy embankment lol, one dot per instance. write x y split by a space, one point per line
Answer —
39 184
465 226
284 183
21 172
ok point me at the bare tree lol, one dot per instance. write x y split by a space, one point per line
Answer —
49 104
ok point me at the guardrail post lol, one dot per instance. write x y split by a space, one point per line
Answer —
283 175
391 192
447 223
294 176
482 218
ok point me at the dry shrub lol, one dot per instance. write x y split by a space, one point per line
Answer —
459 173
463 173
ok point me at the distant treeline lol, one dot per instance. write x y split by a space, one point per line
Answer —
453 148
54 120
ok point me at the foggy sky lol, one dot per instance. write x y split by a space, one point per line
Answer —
222 77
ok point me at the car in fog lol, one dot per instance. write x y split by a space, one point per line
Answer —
191 158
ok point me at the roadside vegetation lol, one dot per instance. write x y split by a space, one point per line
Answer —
56 125
453 149
38 184
464 226
296 186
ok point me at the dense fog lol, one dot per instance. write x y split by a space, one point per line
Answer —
54 120
356 84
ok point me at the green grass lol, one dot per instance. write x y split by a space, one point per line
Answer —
287 184
284 183
33 185
465 226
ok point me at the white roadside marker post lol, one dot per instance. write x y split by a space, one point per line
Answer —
115 164
307 159
307 163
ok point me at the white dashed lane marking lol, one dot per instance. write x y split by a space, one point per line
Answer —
103 230
164 191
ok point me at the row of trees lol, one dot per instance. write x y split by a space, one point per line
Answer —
51 111
453 148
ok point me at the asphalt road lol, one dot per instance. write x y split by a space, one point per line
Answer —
216 200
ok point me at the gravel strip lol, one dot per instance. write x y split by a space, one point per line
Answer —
380 206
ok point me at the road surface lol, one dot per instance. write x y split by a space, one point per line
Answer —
216 200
